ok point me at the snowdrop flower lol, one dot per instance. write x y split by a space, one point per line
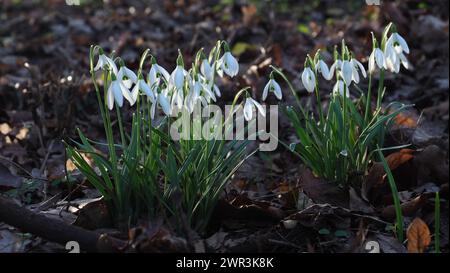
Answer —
156 73
143 86
392 60
206 69
179 73
376 59
322 67
249 107
398 43
103 61
193 96
274 87
347 72
127 76
208 94
116 92
339 88
356 65
163 101
309 79
229 64
177 77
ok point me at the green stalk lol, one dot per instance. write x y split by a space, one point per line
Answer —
368 100
122 132
319 104
395 196
437 223
380 89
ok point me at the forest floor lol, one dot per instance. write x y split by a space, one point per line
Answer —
46 93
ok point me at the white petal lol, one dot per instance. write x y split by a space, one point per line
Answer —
110 97
178 77
100 62
360 66
355 74
118 96
217 91
309 79
404 61
402 42
147 90
153 110
277 90
164 103
130 74
372 62
379 58
206 69
248 109
261 109
126 93
163 72
347 72
135 92
324 70
230 65
266 90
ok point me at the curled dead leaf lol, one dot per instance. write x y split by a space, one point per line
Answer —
418 235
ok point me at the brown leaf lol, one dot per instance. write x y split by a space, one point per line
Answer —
396 159
321 191
405 121
408 208
418 235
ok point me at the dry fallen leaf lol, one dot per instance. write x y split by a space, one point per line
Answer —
405 121
418 235
397 159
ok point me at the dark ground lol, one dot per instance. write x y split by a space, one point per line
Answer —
46 93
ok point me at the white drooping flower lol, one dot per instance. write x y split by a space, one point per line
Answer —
156 73
177 77
347 72
207 93
105 61
142 86
193 96
322 67
392 59
356 68
309 79
398 43
274 87
116 92
249 107
163 101
376 58
229 64
206 70
339 89
127 76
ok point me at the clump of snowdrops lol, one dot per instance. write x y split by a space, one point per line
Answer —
147 174
339 142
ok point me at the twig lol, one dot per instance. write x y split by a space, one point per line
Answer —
56 230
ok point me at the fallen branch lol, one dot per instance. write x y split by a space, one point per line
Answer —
56 230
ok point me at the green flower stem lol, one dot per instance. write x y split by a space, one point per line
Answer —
368 101
380 89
